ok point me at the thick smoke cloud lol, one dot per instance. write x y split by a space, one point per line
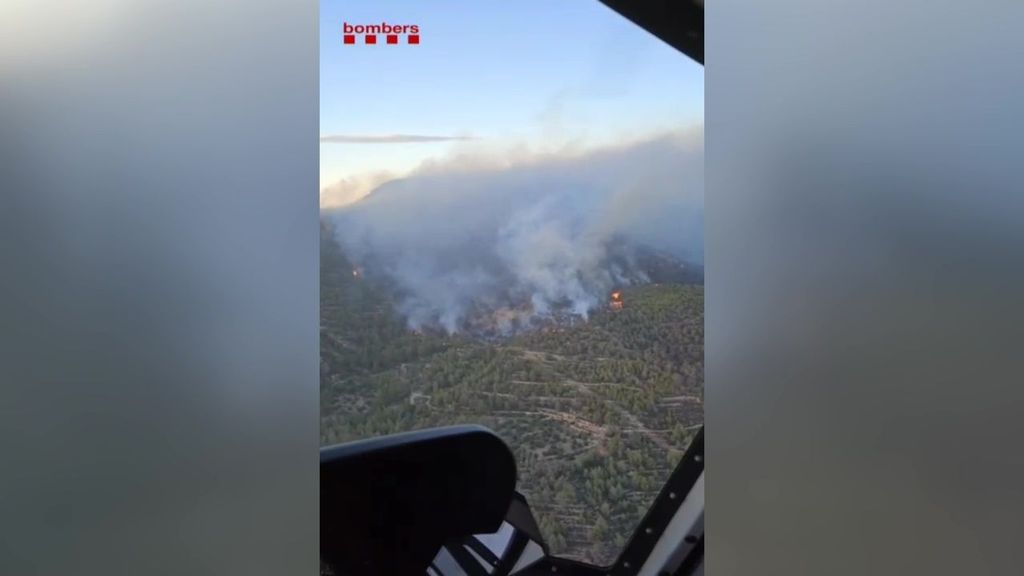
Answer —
550 235
348 190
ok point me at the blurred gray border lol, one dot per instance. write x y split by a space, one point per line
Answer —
158 302
865 242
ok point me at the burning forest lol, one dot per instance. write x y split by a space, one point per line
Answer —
497 251
616 301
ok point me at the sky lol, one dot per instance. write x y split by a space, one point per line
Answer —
538 74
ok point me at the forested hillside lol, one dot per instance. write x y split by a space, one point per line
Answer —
597 412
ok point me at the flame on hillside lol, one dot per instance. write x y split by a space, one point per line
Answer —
616 303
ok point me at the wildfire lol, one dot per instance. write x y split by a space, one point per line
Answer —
616 303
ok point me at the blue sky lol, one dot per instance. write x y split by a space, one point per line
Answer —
534 72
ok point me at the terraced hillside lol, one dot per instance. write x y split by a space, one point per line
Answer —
597 413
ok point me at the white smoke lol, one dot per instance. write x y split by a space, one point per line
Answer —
351 189
552 234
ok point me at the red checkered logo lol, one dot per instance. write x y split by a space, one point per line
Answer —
388 33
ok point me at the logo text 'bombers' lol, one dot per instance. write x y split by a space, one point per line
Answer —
410 34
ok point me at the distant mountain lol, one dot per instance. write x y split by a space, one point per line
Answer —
661 267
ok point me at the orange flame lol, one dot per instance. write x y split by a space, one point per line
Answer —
616 303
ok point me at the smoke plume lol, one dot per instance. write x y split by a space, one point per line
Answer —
549 235
348 190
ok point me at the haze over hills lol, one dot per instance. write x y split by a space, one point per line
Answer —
475 293
547 235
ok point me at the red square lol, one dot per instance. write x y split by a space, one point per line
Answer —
392 38
350 39
371 38
414 38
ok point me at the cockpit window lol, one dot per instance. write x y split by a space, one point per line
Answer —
512 235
